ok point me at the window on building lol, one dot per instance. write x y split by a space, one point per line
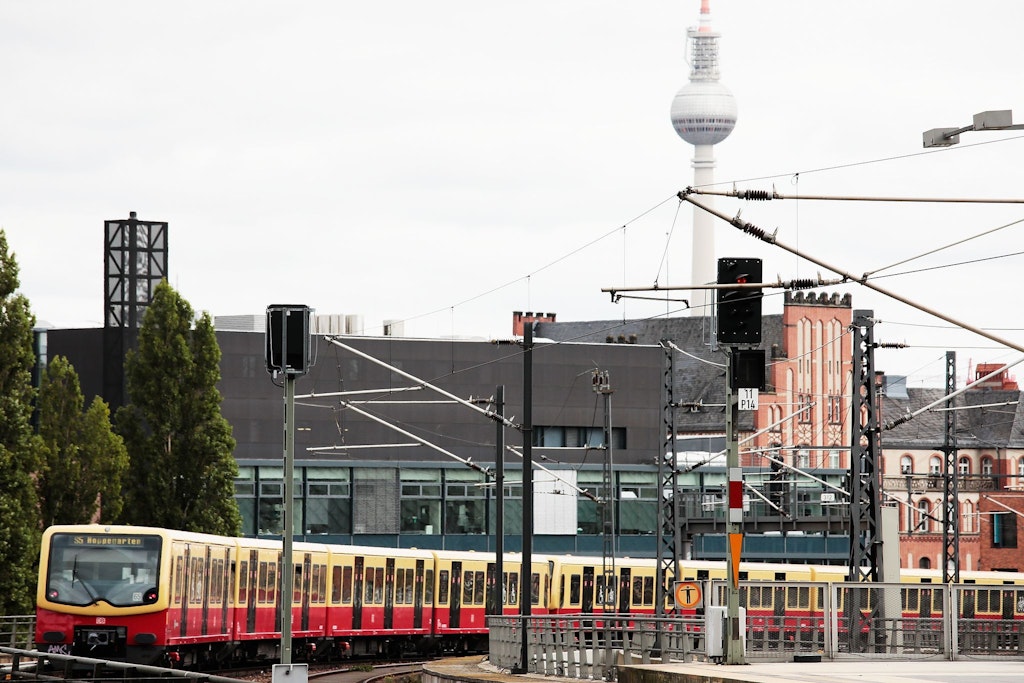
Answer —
986 466
1004 530
803 458
967 516
245 496
588 512
512 516
465 502
924 509
638 503
421 501
576 437
935 466
328 500
924 563
835 410
804 408
906 465
1020 467
963 466
835 459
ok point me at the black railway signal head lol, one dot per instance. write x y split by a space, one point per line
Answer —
739 308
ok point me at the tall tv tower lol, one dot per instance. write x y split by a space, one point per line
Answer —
703 114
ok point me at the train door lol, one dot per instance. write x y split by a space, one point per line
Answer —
203 589
185 589
357 594
307 588
624 590
280 599
779 600
1008 603
455 596
251 587
926 603
417 610
969 602
587 606
389 593
492 604
227 591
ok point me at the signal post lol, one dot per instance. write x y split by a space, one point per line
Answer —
739 323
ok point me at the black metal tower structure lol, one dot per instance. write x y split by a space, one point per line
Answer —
951 485
668 526
865 451
134 263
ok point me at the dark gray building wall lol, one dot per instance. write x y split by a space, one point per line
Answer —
563 394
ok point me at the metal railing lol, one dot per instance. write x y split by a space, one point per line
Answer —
44 666
17 631
783 620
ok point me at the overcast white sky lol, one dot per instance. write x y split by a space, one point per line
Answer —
449 162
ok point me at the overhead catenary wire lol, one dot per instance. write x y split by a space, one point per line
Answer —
863 280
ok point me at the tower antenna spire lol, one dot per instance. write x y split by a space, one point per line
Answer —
703 114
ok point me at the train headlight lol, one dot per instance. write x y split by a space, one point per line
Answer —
150 596
52 594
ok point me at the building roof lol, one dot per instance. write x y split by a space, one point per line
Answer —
989 423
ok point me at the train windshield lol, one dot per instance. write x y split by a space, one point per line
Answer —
121 569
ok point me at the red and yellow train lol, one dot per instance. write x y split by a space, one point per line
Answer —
158 596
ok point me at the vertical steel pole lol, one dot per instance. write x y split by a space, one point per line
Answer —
734 523
499 488
526 575
287 566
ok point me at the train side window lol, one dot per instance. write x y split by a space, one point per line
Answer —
218 579
513 588
410 586
297 584
534 588
648 590
243 581
179 573
912 600
368 581
442 587
346 585
638 590
575 582
399 587
561 591
271 582
262 585
547 589
323 584
467 587
378 588
314 584
335 585
478 590
428 587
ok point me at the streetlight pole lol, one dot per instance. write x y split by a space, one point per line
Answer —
1001 119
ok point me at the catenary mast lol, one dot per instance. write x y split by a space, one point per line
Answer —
703 114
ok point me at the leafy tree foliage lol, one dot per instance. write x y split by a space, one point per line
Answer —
182 468
19 522
83 460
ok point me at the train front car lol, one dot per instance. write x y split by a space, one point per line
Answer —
101 593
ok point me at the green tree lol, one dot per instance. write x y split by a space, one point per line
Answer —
82 460
182 466
19 520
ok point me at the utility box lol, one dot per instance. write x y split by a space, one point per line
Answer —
715 625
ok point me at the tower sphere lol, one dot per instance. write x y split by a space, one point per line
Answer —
704 112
